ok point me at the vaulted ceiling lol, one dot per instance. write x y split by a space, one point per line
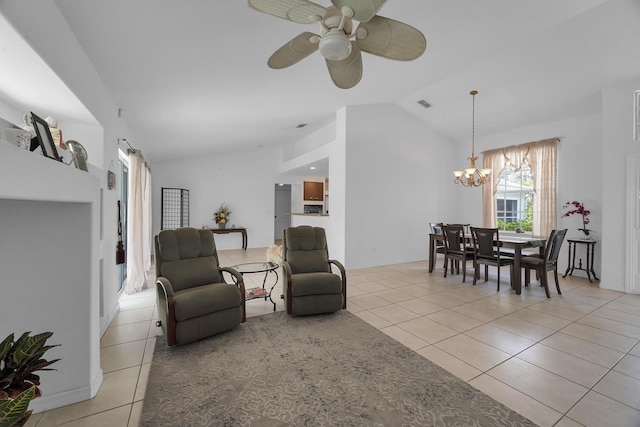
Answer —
191 77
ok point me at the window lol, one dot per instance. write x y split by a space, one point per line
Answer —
514 199
522 190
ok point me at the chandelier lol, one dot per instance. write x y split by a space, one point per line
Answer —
471 176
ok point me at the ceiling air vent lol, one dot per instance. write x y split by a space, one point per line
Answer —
424 103
301 125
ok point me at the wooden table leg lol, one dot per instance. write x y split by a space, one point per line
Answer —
432 255
593 251
517 277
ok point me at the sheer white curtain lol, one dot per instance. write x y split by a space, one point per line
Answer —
138 224
542 159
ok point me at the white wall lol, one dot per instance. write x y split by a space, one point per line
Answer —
49 238
617 144
243 181
45 29
580 175
396 170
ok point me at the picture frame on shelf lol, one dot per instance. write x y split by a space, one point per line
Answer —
79 155
45 140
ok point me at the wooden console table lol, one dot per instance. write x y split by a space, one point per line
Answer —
241 230
591 249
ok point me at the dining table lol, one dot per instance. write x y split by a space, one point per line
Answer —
517 243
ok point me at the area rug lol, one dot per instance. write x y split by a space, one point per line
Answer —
327 370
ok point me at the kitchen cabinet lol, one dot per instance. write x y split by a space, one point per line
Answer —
313 190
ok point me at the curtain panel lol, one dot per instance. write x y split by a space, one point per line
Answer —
139 224
541 156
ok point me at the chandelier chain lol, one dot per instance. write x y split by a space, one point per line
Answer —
471 176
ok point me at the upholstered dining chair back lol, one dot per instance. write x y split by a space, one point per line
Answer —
548 263
193 299
455 249
552 249
310 286
486 246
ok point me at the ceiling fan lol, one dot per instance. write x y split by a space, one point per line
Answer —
339 42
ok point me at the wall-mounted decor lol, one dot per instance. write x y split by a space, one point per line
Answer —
111 177
45 140
636 115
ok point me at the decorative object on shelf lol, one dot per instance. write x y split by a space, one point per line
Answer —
56 133
63 149
79 155
27 124
579 209
18 137
19 360
471 176
44 138
221 216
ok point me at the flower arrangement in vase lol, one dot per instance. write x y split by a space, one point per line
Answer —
221 216
579 209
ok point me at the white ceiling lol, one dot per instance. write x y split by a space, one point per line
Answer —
191 75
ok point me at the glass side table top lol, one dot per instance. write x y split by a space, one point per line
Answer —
255 267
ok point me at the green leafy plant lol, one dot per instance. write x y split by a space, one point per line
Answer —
19 360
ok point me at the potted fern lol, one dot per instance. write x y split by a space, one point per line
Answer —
19 360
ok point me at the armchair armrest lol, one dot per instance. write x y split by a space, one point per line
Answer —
240 283
288 297
344 280
164 284
166 308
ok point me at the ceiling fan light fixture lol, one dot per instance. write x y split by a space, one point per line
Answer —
335 45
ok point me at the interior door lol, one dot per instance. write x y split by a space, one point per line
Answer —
282 210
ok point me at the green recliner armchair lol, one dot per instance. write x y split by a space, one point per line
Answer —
310 287
193 299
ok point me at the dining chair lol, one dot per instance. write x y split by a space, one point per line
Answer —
549 262
486 251
436 228
455 249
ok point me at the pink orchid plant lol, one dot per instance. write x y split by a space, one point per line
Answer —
578 208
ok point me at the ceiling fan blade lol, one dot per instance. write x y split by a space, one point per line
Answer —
347 72
295 50
300 11
363 10
391 39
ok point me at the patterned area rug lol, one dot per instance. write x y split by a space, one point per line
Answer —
329 370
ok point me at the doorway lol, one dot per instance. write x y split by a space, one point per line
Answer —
282 211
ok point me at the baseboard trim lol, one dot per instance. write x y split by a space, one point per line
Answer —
48 402
105 322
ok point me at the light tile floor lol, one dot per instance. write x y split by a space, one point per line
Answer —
572 360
